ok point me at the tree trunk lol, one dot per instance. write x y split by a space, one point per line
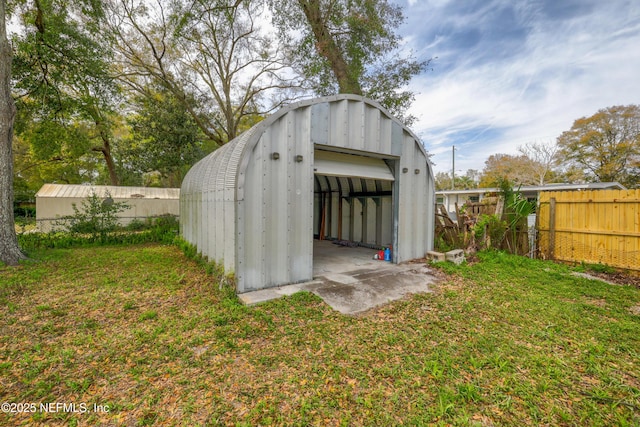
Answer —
111 165
328 48
9 251
105 149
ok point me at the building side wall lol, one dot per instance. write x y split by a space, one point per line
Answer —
275 214
48 209
208 204
415 200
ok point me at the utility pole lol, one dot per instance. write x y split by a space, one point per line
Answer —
453 168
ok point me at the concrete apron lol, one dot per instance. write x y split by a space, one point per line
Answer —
351 281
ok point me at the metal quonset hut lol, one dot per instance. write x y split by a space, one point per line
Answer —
338 167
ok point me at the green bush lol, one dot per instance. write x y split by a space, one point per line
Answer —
489 231
96 223
96 216
164 231
24 212
137 225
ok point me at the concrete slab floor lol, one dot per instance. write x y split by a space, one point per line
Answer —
351 281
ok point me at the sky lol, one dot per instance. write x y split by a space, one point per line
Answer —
510 72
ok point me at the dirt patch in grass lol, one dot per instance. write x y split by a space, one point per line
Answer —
619 278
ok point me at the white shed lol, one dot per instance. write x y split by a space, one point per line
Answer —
338 167
54 201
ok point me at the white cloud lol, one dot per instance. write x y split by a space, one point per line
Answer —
496 87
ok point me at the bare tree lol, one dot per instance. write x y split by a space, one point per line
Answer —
543 156
9 251
211 55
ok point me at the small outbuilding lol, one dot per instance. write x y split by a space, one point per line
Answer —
54 201
337 168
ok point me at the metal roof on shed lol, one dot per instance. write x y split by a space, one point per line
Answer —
252 205
545 187
116 192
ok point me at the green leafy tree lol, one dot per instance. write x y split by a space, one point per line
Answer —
341 46
606 145
164 138
443 181
461 182
33 167
66 94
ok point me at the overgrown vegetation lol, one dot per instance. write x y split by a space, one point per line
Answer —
516 211
96 216
489 231
506 229
96 222
145 332
162 229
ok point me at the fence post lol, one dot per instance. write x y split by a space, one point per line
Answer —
552 228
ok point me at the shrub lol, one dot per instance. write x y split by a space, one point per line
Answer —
137 225
24 212
96 216
489 231
516 211
96 223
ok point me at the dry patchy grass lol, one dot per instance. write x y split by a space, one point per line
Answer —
145 333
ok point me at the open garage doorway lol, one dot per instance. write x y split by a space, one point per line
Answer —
340 167
353 209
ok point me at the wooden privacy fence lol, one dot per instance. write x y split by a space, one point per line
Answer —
594 226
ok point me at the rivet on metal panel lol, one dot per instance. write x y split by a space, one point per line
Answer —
275 155
299 158
417 171
405 170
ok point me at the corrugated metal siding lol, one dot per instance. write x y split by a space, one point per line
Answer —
207 205
277 206
241 206
116 192
415 232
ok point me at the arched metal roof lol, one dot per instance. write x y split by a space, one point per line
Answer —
225 167
250 204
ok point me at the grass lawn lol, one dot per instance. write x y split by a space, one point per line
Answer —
147 336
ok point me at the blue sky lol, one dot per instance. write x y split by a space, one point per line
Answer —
510 72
